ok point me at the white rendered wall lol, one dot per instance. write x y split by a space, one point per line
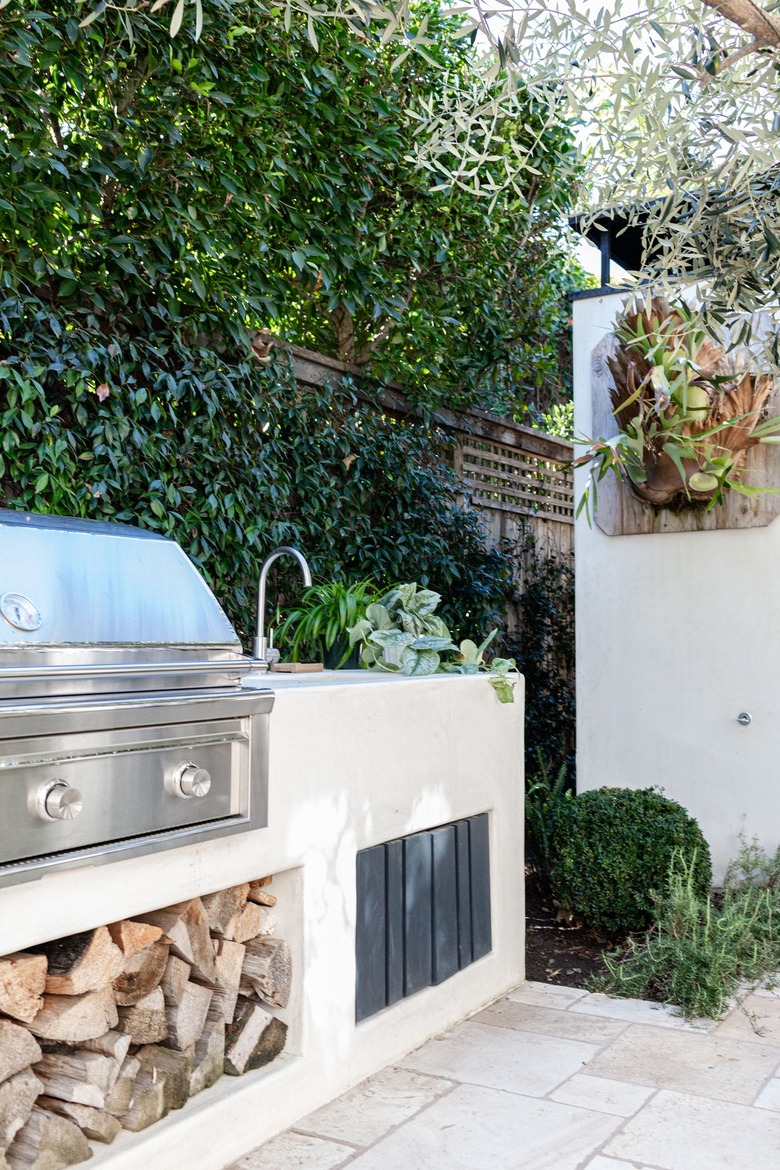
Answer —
677 633
355 759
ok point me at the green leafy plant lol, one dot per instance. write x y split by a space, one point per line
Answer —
320 621
134 200
543 647
611 853
543 796
701 949
402 633
471 660
686 418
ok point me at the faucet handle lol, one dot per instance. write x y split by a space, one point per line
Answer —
272 655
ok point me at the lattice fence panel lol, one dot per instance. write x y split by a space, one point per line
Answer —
512 480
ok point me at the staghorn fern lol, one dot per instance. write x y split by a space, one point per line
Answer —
687 416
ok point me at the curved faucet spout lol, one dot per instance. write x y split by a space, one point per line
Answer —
260 643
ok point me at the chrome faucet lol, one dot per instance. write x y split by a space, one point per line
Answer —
260 647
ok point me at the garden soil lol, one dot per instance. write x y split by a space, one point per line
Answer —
557 951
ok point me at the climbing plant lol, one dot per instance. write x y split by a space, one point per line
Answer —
251 180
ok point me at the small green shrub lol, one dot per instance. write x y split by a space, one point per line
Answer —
698 952
612 850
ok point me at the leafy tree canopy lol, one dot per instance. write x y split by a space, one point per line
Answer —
678 105
257 172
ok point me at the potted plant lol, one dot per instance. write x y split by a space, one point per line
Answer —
686 415
319 623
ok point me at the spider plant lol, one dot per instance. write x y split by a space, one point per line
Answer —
318 625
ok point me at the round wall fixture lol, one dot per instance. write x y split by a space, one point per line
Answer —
20 612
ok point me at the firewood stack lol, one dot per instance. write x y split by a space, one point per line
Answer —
110 1029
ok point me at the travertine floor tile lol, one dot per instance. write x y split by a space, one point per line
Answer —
756 1020
603 1094
548 1021
295 1151
711 1066
546 994
368 1111
474 1128
679 1131
632 1011
499 1058
769 1097
602 1163
768 992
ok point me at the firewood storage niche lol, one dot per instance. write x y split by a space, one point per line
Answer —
111 1029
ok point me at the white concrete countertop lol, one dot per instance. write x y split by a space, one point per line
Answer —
279 680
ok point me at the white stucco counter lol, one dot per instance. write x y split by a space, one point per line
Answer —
356 759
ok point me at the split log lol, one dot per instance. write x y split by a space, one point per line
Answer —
132 937
22 983
253 1039
142 973
186 1018
245 925
258 883
148 1101
268 967
118 1100
48 1142
223 906
268 922
73 1075
175 979
209 1058
262 897
145 1021
81 962
72 1018
186 926
17 1096
93 1123
175 1068
18 1049
229 961
114 1044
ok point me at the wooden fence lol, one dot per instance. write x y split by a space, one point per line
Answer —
517 478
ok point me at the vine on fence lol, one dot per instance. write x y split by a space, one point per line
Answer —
230 458
544 650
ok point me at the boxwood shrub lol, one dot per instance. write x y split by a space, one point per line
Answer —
612 851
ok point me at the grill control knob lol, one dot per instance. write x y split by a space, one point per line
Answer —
59 802
190 780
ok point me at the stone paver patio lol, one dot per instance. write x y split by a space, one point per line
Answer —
553 1078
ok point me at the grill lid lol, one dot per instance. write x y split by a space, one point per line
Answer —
90 606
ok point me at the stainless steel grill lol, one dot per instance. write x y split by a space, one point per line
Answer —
123 725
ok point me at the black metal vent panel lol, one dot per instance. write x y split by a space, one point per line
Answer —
423 911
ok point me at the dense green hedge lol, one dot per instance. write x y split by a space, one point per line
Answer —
162 200
232 458
612 851
251 181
